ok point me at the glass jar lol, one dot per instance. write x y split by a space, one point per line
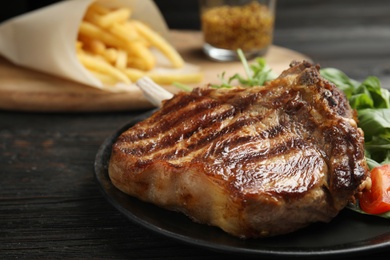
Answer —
229 25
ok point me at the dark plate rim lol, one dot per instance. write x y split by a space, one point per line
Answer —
378 243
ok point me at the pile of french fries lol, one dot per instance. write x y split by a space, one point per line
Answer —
116 48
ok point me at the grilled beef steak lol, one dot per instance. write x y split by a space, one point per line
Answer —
256 162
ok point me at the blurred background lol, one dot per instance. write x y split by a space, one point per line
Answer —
184 14
324 30
351 35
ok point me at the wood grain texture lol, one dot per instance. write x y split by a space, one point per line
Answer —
50 204
23 89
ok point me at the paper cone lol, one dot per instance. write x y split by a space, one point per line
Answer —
44 39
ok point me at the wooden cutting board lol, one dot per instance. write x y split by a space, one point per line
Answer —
23 89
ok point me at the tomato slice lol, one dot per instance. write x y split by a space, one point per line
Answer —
377 200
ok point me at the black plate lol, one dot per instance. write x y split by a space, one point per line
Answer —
347 234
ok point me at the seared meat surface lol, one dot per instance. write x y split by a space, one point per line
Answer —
256 162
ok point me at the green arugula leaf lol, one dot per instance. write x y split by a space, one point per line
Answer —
372 103
225 83
374 122
182 87
256 74
380 97
341 80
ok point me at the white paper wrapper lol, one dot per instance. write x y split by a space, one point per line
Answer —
44 39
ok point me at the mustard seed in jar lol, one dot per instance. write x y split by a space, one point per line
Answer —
230 27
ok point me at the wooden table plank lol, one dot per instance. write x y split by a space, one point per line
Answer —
26 90
50 204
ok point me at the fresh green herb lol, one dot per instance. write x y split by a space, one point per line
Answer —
182 87
256 74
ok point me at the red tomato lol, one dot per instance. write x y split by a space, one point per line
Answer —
377 200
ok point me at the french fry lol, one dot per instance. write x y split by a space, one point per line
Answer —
93 45
99 65
160 43
164 78
79 45
121 60
110 55
117 16
98 9
127 32
134 48
90 30
105 78
169 78
137 49
97 46
136 63
134 74
114 47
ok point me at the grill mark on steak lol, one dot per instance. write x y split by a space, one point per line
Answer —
180 131
231 157
173 105
187 128
244 103
202 104
197 108
291 179
256 162
347 155
185 133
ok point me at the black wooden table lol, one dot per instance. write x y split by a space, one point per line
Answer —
50 204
